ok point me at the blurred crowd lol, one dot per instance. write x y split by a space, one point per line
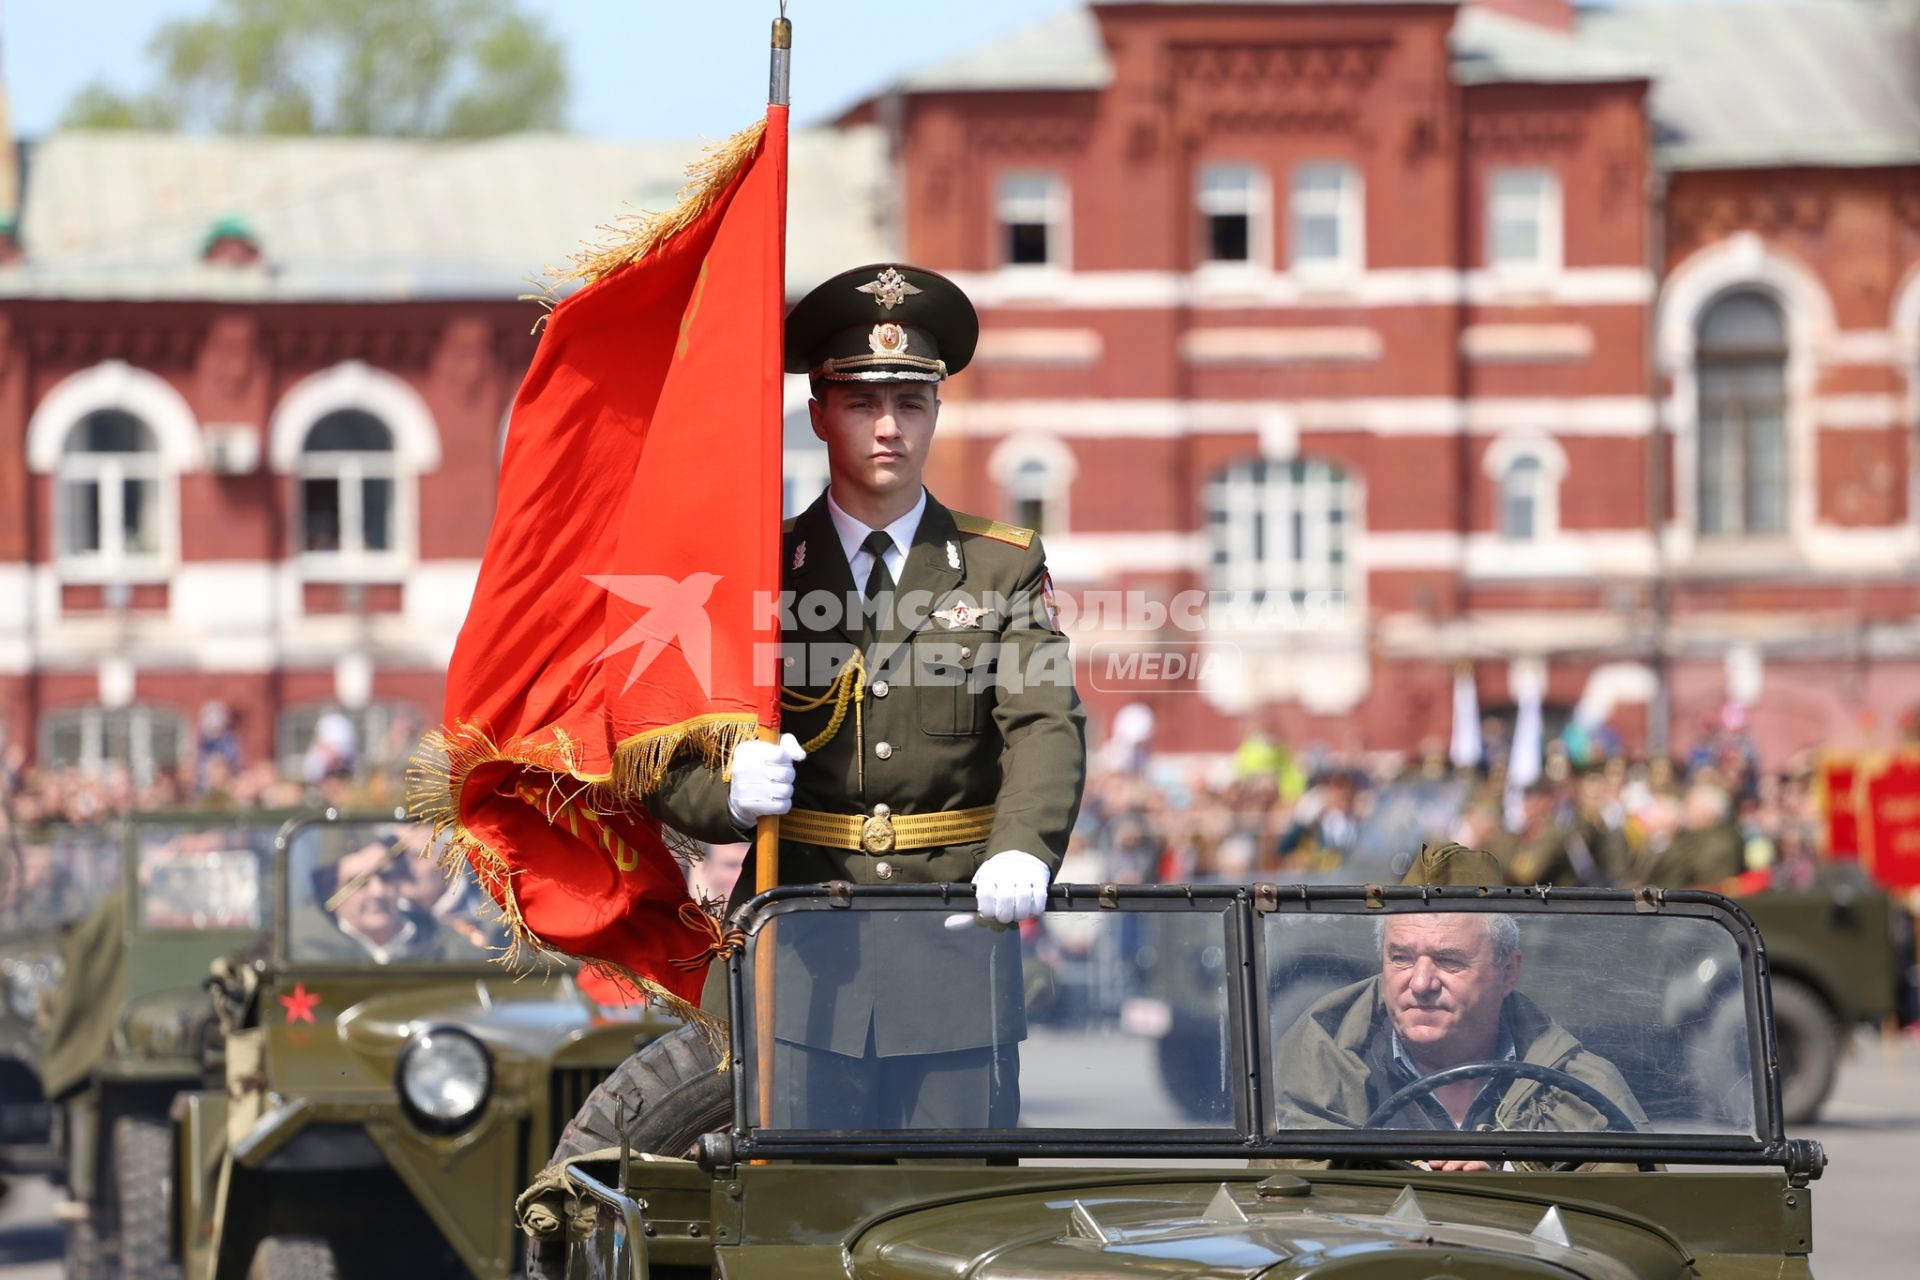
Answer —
335 768
1592 814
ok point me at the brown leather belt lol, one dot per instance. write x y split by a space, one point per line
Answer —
884 831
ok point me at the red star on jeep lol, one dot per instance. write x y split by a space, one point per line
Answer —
300 1004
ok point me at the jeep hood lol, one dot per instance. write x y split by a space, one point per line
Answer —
530 1018
1285 1228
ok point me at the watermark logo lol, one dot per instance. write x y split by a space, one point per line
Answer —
676 614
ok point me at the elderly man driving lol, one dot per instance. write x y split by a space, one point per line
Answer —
1445 997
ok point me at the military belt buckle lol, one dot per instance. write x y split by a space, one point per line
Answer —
876 833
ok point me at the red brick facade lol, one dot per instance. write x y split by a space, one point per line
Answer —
1417 381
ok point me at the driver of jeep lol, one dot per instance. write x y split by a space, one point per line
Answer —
1445 998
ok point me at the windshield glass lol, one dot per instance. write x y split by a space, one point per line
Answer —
1543 1022
203 877
54 875
374 893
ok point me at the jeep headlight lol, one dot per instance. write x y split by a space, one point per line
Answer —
445 1076
29 981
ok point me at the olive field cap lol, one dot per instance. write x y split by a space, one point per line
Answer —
882 323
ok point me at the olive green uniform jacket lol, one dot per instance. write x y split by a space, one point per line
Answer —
1325 1066
1699 856
958 712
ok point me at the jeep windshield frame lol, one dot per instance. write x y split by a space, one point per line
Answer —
284 957
1253 1131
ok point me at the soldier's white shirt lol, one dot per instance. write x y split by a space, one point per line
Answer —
852 533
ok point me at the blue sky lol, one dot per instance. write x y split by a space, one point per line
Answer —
639 68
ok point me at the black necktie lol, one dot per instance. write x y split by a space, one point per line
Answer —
879 580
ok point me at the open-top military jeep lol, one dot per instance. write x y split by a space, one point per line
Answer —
384 1087
50 876
1343 1125
129 1025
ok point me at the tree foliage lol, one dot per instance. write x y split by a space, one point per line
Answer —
408 68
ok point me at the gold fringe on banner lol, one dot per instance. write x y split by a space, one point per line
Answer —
572 799
633 236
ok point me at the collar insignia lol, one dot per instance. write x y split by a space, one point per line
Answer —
963 614
891 289
887 340
953 556
799 555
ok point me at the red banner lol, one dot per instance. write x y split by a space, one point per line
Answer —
614 621
1873 814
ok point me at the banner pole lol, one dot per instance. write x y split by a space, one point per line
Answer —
766 835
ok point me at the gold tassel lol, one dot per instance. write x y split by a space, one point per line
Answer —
633 236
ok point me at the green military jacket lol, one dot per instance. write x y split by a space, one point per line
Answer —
953 716
1330 1064
969 702
1699 857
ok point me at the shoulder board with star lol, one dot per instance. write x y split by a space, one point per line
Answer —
982 527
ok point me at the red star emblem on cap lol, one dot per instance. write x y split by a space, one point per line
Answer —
300 1004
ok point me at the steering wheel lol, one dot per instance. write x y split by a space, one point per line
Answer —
1618 1121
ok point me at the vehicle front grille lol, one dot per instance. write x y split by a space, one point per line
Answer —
567 1089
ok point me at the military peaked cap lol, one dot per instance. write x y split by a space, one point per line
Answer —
882 323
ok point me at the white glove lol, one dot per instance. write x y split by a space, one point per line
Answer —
1010 886
762 785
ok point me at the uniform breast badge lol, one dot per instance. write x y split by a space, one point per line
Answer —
890 289
963 615
953 556
799 555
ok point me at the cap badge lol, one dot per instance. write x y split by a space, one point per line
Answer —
963 614
887 340
891 289
799 555
953 556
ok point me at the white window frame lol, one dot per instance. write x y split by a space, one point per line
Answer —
178 448
1256 502
109 473
142 722
1498 464
1256 205
1545 206
1053 210
416 452
1347 206
350 470
1054 460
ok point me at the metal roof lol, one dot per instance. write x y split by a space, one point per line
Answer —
124 215
1735 81
1772 82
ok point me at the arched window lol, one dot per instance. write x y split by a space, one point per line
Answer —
1281 527
1035 474
1742 471
107 493
1520 499
348 479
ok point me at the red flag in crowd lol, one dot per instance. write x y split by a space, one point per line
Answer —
613 624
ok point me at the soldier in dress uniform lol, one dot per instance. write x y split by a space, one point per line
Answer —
952 750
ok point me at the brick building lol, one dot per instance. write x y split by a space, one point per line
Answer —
1584 342
253 394
1584 339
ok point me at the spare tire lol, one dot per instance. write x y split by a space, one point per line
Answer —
668 1094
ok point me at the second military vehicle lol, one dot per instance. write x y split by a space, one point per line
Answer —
383 1088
